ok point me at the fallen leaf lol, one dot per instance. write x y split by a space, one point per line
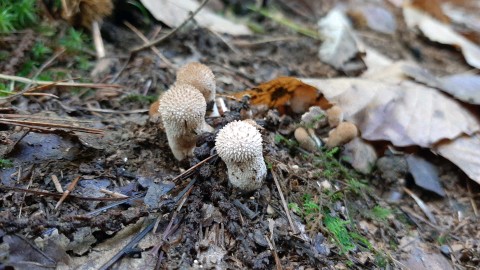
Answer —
173 13
465 87
442 33
285 91
375 17
405 113
463 152
425 174
339 47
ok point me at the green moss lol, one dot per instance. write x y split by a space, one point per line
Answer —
338 230
5 163
381 214
17 14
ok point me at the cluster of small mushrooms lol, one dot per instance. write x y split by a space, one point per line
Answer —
182 110
341 133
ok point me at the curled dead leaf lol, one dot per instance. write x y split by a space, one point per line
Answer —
285 92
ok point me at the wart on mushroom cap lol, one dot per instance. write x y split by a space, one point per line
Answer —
200 76
182 109
239 145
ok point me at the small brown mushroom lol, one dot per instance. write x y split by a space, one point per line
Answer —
334 116
199 76
307 139
341 135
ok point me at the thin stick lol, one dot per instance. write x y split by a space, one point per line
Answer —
58 195
67 84
49 125
145 41
284 203
29 116
44 66
129 246
180 176
423 206
113 194
160 39
70 188
97 40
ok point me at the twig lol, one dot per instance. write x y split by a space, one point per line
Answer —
32 124
278 263
30 116
66 84
160 39
185 173
97 40
113 194
472 201
57 195
284 203
25 194
43 67
422 206
168 229
102 209
250 214
129 246
145 41
70 188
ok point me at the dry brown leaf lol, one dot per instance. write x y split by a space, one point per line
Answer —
405 113
442 33
285 91
173 13
465 153
340 47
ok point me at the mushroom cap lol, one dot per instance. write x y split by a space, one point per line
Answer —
334 116
182 109
342 134
200 76
238 141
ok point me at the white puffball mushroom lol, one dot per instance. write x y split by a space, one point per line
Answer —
334 116
239 145
341 135
182 109
199 76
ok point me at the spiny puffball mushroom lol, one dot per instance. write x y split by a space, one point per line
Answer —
334 116
342 134
182 109
239 145
199 76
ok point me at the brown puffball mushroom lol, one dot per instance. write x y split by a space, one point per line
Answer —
341 135
85 12
182 110
334 116
200 76
239 145
306 140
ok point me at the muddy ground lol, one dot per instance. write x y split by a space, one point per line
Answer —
192 218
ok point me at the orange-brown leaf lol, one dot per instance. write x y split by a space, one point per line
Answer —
285 91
